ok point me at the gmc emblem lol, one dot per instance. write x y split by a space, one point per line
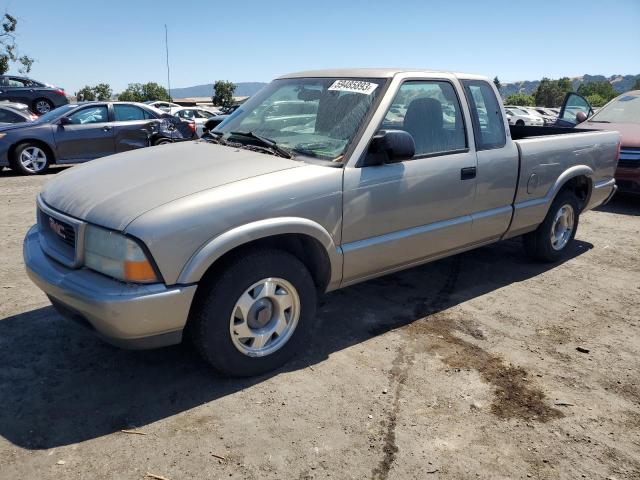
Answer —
57 228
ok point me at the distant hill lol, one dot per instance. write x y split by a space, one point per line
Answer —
243 89
621 83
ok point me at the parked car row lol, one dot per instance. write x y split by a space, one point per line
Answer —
40 97
85 131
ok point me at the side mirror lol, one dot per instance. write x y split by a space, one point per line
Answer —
64 121
581 117
389 146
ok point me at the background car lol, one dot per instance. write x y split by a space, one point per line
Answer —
15 113
546 118
517 116
40 97
162 105
213 122
81 132
195 114
621 114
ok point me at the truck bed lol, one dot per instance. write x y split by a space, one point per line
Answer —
551 155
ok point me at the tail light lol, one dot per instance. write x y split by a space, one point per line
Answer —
192 127
60 91
33 116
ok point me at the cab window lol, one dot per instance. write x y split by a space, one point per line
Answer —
431 113
488 125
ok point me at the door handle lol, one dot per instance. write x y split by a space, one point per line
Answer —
106 128
467 173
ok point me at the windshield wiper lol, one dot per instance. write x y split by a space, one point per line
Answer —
266 142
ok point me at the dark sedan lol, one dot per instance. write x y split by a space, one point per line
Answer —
81 132
40 97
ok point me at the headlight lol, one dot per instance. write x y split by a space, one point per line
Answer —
117 256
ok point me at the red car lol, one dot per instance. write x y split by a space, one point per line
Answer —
621 114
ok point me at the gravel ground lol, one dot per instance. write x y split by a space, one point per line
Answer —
461 369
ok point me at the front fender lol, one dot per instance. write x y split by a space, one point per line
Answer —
200 261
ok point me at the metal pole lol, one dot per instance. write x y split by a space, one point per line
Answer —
166 44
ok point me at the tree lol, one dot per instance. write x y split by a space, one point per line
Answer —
103 91
596 100
550 93
137 92
636 86
520 99
9 49
496 82
85 94
604 90
223 93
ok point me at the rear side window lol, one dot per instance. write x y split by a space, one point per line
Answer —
128 113
7 116
488 125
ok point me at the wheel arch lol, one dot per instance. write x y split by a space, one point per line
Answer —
577 179
303 238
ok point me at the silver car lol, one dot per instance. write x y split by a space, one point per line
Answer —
230 241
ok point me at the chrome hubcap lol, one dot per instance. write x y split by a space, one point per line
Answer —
42 106
562 227
264 317
33 159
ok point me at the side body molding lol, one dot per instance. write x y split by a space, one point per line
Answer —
529 214
227 241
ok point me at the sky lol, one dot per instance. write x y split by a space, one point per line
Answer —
85 42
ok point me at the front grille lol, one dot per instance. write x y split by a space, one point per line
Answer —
58 237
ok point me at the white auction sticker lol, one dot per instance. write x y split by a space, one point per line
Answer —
355 86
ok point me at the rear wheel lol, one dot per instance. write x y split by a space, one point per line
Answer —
520 123
255 314
550 241
30 159
162 141
42 106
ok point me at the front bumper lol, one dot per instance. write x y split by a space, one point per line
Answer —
127 315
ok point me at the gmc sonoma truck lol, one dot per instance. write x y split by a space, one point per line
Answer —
229 241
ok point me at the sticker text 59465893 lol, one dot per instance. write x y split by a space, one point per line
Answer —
355 86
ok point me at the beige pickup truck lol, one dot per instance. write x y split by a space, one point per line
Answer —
321 180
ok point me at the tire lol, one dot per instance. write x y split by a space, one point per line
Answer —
30 159
161 141
42 106
520 123
553 237
233 303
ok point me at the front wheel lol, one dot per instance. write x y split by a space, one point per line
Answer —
161 141
550 241
255 314
30 159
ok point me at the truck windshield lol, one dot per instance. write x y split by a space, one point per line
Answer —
314 117
624 109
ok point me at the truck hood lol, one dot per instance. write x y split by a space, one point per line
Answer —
115 190
630 132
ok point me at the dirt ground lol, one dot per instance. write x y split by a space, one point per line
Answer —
462 369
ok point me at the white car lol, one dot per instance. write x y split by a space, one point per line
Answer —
518 116
196 114
546 118
164 106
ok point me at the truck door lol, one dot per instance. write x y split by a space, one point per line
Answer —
498 159
86 134
399 214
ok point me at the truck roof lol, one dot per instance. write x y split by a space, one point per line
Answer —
374 73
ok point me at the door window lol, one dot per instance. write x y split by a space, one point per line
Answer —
430 111
90 115
18 82
188 114
574 104
128 113
488 125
